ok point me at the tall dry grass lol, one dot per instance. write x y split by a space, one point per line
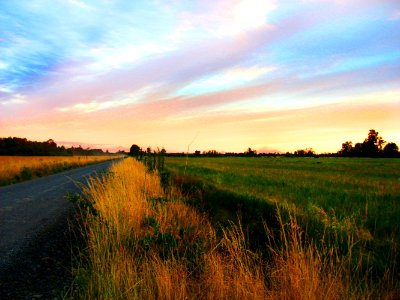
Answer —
143 244
301 271
17 168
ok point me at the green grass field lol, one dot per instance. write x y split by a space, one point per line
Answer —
352 204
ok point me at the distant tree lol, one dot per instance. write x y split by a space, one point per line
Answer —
134 150
211 153
374 138
250 152
197 153
391 150
148 150
122 152
308 152
21 146
358 149
372 145
347 148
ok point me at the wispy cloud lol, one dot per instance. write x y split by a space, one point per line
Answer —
103 105
14 100
226 80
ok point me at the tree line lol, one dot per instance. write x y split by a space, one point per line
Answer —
21 146
373 146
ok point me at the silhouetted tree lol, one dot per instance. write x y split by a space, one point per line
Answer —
371 147
250 152
211 153
134 150
391 150
358 149
347 148
308 152
374 138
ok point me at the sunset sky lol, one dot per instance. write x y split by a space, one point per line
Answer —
223 75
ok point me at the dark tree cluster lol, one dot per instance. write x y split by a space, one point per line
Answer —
139 153
373 146
22 146
308 152
211 153
215 153
250 152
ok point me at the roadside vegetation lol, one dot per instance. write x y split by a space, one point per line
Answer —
15 169
240 228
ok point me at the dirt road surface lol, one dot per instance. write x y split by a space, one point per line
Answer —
35 242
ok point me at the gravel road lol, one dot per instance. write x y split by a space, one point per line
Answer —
35 242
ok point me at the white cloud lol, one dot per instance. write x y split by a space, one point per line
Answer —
96 105
246 74
5 89
230 77
224 18
247 15
80 4
119 57
17 99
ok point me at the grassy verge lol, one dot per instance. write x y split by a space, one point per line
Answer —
15 169
147 242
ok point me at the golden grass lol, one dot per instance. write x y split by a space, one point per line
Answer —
301 271
11 167
144 244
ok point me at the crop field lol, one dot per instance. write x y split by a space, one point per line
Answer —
241 228
18 168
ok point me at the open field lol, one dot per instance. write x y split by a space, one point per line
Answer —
18 168
146 242
350 205
364 193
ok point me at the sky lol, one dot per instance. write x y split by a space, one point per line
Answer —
200 75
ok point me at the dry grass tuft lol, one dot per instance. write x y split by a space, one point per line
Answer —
301 271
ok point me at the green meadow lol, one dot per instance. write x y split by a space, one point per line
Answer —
351 205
